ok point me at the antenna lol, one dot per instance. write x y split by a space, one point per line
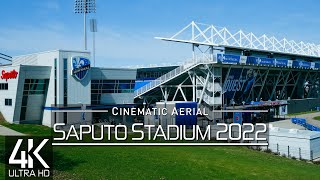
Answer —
84 7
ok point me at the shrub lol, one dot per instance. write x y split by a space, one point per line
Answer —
284 155
268 151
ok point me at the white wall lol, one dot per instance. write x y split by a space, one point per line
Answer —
300 142
8 111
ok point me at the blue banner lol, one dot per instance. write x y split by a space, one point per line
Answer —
228 59
234 59
261 61
281 62
238 84
266 61
237 117
304 64
188 120
301 64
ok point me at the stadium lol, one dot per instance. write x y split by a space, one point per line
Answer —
227 71
236 71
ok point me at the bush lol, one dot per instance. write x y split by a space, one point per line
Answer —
268 151
316 162
284 155
276 153
293 157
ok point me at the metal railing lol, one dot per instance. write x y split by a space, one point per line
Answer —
181 69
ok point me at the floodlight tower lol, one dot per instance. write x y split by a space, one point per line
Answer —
85 6
93 29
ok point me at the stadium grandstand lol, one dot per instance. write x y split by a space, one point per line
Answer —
235 70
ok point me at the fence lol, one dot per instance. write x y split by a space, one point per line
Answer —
292 151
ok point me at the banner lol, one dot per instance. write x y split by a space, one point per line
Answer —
250 60
238 84
237 117
228 59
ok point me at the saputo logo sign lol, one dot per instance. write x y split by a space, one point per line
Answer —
28 157
13 74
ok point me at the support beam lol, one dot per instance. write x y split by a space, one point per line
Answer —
285 84
295 84
263 83
275 85
204 88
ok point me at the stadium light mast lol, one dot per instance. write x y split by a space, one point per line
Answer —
93 29
85 6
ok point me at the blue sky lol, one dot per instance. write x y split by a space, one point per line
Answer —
126 28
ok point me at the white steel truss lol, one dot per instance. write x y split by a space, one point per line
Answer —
203 34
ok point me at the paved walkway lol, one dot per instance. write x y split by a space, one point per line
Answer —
4 131
287 124
309 117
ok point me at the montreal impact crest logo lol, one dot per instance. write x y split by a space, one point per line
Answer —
80 67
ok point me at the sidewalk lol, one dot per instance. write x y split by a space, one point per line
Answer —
4 131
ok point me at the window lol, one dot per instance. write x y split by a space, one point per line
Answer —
3 86
8 102
99 87
31 87
35 86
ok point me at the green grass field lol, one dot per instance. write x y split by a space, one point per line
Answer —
317 118
301 113
183 162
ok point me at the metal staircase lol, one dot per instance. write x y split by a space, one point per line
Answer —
171 75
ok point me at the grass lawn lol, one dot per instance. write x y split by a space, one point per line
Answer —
28 129
183 162
301 113
317 118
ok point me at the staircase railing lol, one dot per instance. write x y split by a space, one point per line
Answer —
185 66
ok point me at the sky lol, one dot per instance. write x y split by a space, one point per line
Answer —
126 28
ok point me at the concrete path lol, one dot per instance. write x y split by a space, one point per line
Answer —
309 117
4 131
287 124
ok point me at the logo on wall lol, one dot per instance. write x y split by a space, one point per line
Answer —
80 67
9 75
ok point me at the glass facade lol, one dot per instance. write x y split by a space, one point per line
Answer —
32 87
99 87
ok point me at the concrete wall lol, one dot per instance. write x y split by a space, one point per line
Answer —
113 73
117 98
11 93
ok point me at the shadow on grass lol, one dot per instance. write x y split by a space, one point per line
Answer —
62 163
